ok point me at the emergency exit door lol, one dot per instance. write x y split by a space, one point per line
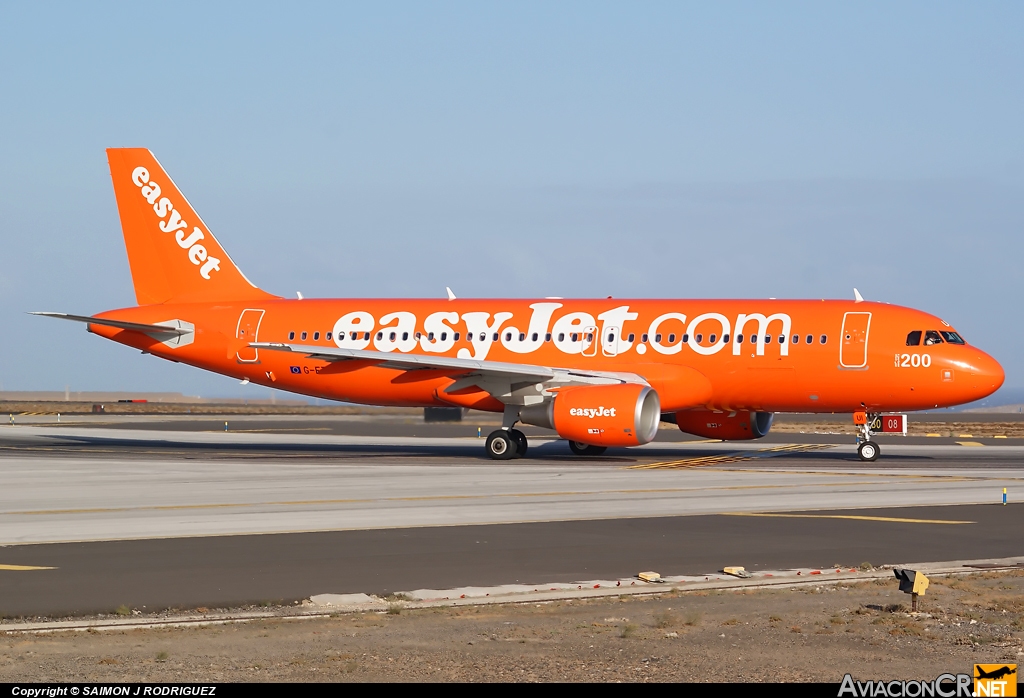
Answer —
853 345
247 331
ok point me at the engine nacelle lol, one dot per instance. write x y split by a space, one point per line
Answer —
728 426
600 415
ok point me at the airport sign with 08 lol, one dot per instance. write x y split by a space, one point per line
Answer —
889 424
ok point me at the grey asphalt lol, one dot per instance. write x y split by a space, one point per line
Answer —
229 571
160 517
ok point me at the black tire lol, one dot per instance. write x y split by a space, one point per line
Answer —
582 449
500 446
868 451
520 441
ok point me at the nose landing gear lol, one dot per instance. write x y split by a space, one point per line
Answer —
867 450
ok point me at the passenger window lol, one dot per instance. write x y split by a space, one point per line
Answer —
810 339
699 338
932 337
914 338
495 337
522 336
590 336
547 337
405 336
672 339
712 339
643 338
953 338
328 336
444 336
533 337
739 339
824 338
796 339
657 338
380 336
725 338
782 339
303 336
574 337
631 337
419 335
686 339
561 336
455 336
767 339
753 339
430 336
291 335
316 336
392 336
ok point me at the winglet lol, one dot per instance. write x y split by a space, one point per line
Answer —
451 296
857 297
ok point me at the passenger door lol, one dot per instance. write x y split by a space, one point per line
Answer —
248 329
853 345
590 339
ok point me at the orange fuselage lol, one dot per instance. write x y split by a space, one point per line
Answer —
836 356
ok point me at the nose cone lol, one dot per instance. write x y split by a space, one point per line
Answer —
986 375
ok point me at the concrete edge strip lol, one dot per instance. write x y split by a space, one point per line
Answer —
363 603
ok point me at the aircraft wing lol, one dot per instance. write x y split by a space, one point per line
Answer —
496 377
169 330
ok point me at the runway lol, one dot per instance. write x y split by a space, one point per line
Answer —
176 517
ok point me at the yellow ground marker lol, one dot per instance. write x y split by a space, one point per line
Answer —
998 436
969 443
23 568
933 434
966 436
850 517
726 459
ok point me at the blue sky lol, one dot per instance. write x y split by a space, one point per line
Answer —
661 150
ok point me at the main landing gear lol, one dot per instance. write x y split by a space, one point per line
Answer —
867 450
505 444
582 449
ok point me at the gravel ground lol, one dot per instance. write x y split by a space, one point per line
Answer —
802 634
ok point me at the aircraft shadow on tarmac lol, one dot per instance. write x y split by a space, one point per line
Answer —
549 450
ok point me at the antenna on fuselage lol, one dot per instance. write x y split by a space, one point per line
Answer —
451 296
857 297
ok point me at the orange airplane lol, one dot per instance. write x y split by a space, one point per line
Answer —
599 373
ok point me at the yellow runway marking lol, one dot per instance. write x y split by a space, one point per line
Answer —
969 443
851 517
736 457
23 568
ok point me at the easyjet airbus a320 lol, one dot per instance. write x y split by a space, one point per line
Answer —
600 373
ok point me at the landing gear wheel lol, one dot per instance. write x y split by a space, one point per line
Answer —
868 450
582 449
500 446
519 438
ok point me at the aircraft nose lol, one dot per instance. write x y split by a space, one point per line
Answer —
986 374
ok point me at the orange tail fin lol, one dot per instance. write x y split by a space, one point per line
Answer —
173 255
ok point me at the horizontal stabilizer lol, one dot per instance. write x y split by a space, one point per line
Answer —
166 330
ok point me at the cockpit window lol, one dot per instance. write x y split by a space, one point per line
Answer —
914 338
932 337
953 338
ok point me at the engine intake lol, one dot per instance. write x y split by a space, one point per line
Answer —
728 426
600 415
